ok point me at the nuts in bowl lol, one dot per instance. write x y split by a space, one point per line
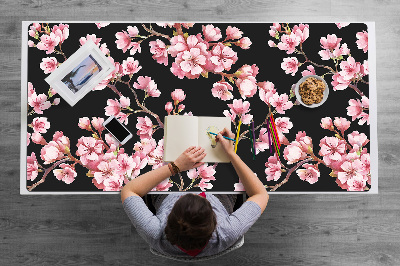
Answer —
311 91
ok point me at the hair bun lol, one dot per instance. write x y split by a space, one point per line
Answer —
183 225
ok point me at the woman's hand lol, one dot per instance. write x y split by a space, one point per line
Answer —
227 144
190 158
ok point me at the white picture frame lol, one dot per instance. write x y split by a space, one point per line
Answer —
80 73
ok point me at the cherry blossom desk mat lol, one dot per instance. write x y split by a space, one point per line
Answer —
239 70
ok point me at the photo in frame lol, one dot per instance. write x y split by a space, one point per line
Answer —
83 70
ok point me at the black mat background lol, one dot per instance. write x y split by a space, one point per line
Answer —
199 99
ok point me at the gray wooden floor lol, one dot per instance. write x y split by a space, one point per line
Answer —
294 230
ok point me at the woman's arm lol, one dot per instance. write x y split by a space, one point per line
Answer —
253 186
142 184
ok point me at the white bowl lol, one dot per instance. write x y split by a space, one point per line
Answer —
296 91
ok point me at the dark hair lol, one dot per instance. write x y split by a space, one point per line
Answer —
191 222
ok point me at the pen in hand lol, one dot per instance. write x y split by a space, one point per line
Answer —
222 136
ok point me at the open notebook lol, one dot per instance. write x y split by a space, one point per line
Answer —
181 132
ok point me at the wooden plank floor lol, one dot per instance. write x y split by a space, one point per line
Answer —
294 230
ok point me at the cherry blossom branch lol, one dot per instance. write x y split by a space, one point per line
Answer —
155 33
114 89
275 187
46 172
143 108
356 89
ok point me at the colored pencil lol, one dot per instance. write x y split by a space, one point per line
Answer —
276 132
274 138
269 137
254 137
222 136
252 145
237 135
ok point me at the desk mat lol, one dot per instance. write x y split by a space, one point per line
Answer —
240 70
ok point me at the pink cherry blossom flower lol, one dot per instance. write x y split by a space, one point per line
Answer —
273 169
341 123
274 29
48 64
125 165
31 43
231 115
332 149
290 65
304 142
67 174
144 147
356 184
266 91
111 141
310 71
354 109
31 89
51 153
239 186
364 118
281 102
178 45
113 107
123 41
163 185
139 164
247 71
177 71
204 171
135 47
293 153
326 123
97 123
263 142
283 124
106 169
244 43
339 83
362 42
156 156
193 61
38 139
233 33
101 25
302 30
122 117
40 124
221 90
204 185
48 42
113 183
61 31
330 42
247 87
365 159
89 149
124 101
181 107
342 25
38 102
84 123
223 57
271 43
56 101
91 37
350 170
28 140
349 68
309 174
159 50
288 43
211 33
178 96
130 66
169 107
62 141
145 127
33 29
364 70
104 49
32 167
359 139
239 107
148 85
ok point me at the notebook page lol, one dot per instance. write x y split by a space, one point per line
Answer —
216 154
180 132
